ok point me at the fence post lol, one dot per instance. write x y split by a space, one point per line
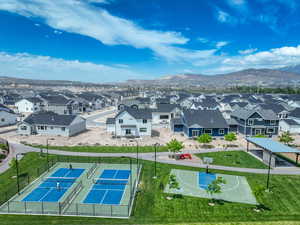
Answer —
94 210
111 211
77 209
42 207
8 207
25 207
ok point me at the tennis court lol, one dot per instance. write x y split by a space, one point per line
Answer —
195 184
84 189
109 188
55 186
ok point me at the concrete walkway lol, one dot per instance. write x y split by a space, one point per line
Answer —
161 157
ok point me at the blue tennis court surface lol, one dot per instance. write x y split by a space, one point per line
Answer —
109 189
54 187
205 179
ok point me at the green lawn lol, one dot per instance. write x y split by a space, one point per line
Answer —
282 203
235 159
105 149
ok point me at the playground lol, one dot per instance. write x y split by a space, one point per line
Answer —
84 189
195 184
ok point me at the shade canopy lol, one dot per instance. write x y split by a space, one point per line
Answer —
271 145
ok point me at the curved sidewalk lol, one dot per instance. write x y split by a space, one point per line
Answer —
150 157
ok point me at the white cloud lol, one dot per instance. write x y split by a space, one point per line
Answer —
222 16
57 32
221 44
274 58
45 67
82 18
203 40
247 51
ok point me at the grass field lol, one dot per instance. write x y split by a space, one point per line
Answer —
235 159
105 149
151 207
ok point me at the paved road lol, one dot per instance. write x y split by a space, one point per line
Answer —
160 158
90 120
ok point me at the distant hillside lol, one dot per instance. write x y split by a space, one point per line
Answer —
292 69
249 77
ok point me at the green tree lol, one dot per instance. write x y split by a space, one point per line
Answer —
286 138
204 139
260 136
215 187
173 183
12 163
230 137
175 146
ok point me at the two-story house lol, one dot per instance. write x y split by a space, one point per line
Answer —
131 123
194 123
29 105
255 122
163 113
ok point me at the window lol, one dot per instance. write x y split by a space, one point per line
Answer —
195 133
164 117
272 122
143 130
221 131
23 128
270 130
127 131
207 131
2 119
144 121
63 128
250 122
120 121
51 128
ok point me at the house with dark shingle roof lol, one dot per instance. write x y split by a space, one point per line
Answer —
50 123
60 104
289 125
7 116
255 121
193 123
131 123
163 113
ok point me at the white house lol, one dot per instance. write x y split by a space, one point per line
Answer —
50 123
29 105
164 113
7 116
289 125
131 123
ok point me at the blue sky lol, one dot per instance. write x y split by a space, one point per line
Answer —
116 40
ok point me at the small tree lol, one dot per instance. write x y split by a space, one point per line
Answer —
286 138
215 187
12 163
173 183
230 137
260 136
175 146
204 139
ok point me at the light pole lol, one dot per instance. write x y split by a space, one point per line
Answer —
155 150
48 139
137 155
17 170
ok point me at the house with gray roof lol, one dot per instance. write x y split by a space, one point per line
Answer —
194 123
256 121
130 123
7 116
30 105
50 123
60 104
289 125
164 113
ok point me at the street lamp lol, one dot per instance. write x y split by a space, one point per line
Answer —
137 154
155 150
47 140
17 170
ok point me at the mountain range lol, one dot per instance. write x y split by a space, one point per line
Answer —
287 76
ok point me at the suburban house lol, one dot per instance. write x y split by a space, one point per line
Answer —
280 110
163 113
289 125
130 123
255 122
50 123
7 116
196 122
29 105
60 105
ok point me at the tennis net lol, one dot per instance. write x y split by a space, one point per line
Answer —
60 179
110 181
91 170
69 198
